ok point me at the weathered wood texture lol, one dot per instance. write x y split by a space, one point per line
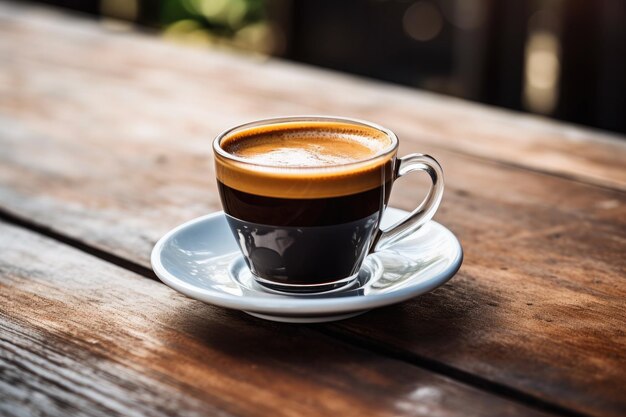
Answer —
106 138
193 93
79 336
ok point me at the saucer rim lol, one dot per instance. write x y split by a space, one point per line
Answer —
296 306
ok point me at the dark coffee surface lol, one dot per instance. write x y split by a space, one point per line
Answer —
303 212
304 255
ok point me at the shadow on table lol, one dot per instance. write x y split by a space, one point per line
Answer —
436 319
307 365
439 319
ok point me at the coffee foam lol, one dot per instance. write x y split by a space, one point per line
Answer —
305 147
314 159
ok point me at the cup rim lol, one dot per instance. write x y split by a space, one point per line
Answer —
304 118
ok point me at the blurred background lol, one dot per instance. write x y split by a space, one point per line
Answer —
560 58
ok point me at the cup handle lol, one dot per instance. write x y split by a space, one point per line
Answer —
425 211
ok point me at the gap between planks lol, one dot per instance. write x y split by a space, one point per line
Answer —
578 179
357 341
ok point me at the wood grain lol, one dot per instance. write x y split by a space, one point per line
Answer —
147 79
82 337
543 273
106 139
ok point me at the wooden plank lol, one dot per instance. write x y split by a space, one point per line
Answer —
216 89
537 305
82 337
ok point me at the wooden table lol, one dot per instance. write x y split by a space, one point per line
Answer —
105 145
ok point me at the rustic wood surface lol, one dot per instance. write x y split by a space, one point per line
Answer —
105 143
105 341
205 88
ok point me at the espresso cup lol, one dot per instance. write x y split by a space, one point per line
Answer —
304 197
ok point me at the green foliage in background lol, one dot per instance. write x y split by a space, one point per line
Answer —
238 23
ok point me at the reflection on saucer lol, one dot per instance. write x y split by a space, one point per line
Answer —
202 260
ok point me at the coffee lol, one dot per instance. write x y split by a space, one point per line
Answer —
306 145
304 199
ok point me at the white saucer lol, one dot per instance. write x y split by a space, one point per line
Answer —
201 259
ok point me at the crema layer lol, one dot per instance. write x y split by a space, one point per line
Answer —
313 159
